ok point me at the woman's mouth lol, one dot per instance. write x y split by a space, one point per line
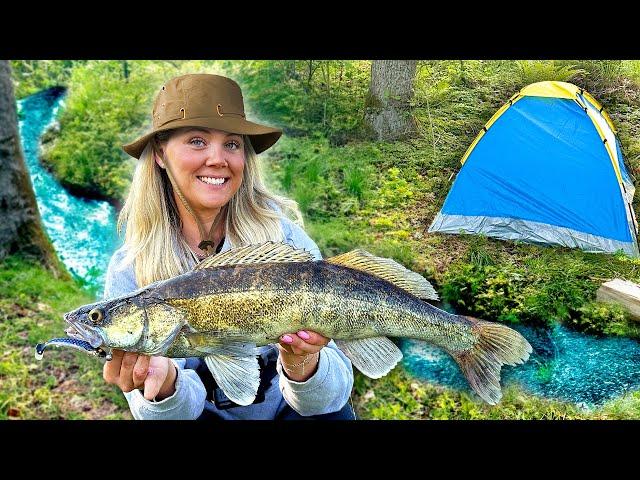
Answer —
214 181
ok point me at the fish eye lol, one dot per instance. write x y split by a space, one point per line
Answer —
95 315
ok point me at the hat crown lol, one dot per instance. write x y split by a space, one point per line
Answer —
196 96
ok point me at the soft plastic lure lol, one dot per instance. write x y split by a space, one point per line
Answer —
71 343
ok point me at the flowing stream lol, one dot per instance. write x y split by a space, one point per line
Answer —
82 231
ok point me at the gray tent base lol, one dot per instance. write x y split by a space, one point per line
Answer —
531 232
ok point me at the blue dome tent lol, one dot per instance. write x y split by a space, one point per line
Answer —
547 168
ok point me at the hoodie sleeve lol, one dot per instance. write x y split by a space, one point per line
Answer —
187 403
329 389
189 398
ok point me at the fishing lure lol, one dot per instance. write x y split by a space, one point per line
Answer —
71 343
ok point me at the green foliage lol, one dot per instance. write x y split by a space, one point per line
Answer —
335 236
306 96
478 253
394 190
326 182
32 76
623 407
602 71
540 286
453 100
604 319
102 112
355 180
532 71
488 291
631 69
398 396
65 384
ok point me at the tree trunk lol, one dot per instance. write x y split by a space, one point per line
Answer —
21 228
387 108
125 70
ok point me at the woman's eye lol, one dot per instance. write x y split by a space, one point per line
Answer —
197 142
233 145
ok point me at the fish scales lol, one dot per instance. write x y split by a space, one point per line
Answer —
266 300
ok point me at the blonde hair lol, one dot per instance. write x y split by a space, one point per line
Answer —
153 237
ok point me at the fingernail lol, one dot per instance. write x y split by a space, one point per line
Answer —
287 339
304 335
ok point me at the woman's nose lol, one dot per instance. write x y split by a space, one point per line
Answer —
215 157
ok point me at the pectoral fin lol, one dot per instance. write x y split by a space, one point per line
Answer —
239 377
375 357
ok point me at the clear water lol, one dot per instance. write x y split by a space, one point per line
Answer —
565 365
83 232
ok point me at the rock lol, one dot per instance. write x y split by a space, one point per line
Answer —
369 395
622 292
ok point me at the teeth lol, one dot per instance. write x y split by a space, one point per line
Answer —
212 180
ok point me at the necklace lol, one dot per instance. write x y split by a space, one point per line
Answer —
199 256
196 256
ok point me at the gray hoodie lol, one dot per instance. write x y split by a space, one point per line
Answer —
327 391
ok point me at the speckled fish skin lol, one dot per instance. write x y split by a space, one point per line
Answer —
257 303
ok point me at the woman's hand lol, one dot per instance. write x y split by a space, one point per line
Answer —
130 370
299 353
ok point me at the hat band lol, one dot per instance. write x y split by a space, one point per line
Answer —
225 114
238 115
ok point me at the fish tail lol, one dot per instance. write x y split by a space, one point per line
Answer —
496 345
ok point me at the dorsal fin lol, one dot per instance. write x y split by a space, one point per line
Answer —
268 252
388 270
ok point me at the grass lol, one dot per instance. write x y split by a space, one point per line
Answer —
397 396
66 384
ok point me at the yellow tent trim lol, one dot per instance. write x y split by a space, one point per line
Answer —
608 147
551 89
598 105
514 98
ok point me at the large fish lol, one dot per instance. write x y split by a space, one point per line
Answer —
237 300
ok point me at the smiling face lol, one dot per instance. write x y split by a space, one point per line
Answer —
207 164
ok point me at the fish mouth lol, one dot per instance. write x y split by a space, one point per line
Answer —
84 332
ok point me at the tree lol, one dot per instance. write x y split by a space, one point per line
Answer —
21 227
387 108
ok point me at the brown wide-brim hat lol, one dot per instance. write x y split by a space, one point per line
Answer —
203 100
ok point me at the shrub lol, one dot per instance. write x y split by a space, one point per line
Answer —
600 318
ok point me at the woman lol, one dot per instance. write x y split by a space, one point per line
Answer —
197 191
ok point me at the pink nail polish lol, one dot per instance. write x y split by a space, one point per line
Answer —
287 339
304 335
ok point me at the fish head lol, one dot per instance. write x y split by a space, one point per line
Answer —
118 323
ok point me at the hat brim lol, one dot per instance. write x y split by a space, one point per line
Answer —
262 137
